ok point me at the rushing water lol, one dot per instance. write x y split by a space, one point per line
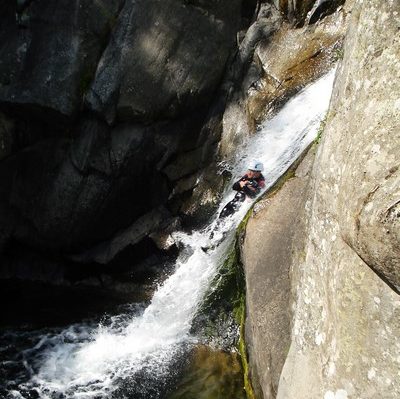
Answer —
96 360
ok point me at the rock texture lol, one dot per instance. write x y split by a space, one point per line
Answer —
344 265
271 235
164 58
309 11
6 136
67 195
281 61
103 112
49 52
369 217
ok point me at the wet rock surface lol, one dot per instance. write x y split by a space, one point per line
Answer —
281 60
306 11
292 58
210 374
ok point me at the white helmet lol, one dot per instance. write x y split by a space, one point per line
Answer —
256 166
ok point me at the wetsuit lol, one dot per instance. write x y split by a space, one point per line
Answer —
256 183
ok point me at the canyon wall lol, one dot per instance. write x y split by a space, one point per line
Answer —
106 120
323 280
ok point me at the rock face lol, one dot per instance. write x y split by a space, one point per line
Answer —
49 52
164 58
310 11
282 60
73 194
344 263
295 11
369 217
102 105
272 231
6 136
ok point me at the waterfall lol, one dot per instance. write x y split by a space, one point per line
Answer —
91 361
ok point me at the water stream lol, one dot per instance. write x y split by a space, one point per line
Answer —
94 360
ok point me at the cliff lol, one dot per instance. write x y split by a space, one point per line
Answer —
113 116
322 254
102 107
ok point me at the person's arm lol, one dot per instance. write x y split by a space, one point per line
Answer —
254 188
238 186
250 191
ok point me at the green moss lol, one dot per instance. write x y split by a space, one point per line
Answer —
242 226
240 316
320 130
226 298
338 54
215 313
239 311
85 81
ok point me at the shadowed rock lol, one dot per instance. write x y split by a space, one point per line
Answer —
68 195
49 52
164 58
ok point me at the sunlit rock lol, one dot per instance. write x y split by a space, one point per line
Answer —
344 263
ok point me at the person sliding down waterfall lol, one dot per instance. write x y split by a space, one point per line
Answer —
249 185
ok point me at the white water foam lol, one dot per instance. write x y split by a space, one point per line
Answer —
82 363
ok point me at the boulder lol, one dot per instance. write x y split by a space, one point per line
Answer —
164 58
49 52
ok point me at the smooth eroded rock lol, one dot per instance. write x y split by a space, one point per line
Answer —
345 334
274 231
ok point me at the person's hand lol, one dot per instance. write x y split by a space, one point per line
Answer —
243 183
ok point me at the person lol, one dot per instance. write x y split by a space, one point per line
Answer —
253 181
248 185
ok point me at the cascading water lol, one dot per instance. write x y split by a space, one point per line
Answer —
93 361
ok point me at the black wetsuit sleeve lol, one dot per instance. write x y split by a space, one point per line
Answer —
236 186
250 193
